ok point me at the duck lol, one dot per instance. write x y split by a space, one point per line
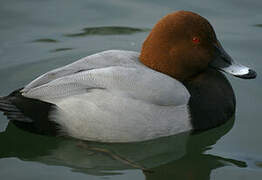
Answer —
174 85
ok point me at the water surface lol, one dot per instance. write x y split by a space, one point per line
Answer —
36 36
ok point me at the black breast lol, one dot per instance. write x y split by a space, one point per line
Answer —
212 100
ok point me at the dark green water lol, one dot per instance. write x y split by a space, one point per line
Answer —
36 36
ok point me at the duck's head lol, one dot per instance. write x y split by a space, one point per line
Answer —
184 44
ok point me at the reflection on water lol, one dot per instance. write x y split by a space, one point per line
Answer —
195 164
107 30
180 156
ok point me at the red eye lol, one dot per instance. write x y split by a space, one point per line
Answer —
196 40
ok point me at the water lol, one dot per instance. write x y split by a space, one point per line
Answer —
36 36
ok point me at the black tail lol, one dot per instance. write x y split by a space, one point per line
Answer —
11 111
29 114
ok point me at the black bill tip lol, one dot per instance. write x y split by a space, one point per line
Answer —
250 75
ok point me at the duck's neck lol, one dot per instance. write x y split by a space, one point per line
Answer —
212 99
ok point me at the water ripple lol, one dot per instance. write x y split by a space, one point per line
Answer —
258 25
62 49
46 40
107 30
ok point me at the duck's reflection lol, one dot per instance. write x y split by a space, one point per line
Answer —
196 165
180 156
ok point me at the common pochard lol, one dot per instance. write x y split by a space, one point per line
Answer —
173 85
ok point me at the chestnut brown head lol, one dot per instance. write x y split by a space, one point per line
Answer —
183 44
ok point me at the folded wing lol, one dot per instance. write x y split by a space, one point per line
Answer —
123 75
